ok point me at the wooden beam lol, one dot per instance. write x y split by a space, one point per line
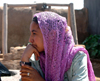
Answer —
49 7
57 4
73 23
34 5
68 17
5 29
21 5
33 11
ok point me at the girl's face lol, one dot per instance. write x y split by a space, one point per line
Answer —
36 37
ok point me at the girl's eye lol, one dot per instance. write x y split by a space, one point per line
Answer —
34 33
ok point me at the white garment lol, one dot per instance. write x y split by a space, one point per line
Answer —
77 72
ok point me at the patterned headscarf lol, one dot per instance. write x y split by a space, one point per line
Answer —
58 46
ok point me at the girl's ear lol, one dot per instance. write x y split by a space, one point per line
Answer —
66 30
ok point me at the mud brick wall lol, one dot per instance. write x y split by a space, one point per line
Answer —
19 22
12 59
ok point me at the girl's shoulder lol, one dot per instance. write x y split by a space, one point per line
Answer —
79 56
78 69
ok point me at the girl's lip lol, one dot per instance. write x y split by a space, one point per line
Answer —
35 46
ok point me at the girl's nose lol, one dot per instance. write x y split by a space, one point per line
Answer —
30 40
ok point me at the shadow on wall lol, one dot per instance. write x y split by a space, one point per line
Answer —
19 21
82 24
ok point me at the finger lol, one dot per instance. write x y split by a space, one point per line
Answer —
27 67
36 56
36 53
23 74
27 78
25 70
35 50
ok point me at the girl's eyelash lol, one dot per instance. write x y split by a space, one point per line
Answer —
34 33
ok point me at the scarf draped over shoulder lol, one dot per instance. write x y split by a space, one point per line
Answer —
58 46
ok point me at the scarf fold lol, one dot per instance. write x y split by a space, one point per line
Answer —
58 46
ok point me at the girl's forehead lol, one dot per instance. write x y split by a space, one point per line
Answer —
34 26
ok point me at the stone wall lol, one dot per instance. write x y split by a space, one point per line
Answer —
19 21
12 59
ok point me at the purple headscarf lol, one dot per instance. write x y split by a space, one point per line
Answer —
58 46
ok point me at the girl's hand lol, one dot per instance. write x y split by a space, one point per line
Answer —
28 52
33 74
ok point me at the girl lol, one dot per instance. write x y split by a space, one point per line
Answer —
57 58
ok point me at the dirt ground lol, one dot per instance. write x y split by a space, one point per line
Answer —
96 67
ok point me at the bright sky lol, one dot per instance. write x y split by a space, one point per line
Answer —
78 4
